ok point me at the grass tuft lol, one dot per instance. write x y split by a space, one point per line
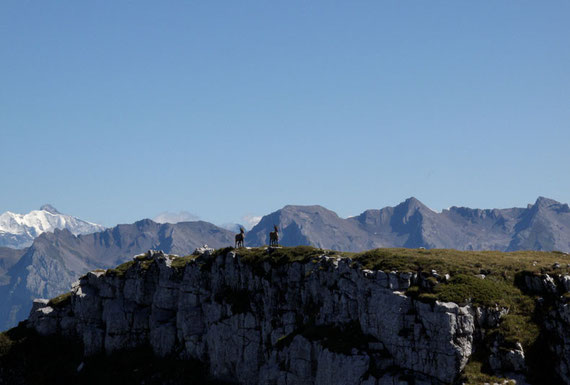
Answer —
282 256
464 288
181 262
120 270
60 301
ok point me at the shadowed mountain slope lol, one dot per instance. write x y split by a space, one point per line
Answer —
55 260
8 258
543 226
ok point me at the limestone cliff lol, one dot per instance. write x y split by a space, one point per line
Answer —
318 319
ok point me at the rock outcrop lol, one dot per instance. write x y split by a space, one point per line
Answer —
322 320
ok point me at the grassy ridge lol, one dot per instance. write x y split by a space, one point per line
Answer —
466 262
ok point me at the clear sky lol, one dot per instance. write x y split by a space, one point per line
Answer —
115 111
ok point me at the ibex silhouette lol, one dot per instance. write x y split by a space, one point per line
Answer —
274 237
239 238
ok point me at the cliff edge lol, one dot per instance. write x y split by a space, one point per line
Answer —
310 316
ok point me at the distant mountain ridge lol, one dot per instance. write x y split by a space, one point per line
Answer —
544 225
19 230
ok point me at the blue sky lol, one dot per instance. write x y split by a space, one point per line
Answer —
119 110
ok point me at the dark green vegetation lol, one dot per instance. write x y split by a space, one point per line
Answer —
60 300
282 256
182 261
257 256
467 262
30 359
121 269
475 371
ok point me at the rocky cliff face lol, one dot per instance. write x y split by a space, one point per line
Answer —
318 320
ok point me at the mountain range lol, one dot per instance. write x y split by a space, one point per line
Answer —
544 225
19 230
55 259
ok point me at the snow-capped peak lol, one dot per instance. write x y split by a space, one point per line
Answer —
20 230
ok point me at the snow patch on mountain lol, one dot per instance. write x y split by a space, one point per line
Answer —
20 230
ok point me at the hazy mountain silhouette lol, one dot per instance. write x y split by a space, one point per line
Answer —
544 225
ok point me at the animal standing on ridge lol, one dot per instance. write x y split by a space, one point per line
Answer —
239 238
274 237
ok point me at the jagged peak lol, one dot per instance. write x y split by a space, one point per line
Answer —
413 204
543 205
49 208
145 222
545 202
